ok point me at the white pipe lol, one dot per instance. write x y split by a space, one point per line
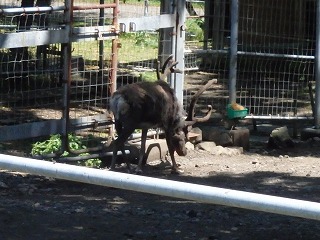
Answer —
200 193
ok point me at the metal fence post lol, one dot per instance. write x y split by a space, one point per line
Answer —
66 74
317 69
233 50
179 47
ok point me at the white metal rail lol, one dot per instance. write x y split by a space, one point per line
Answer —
200 193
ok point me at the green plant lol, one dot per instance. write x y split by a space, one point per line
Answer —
148 76
53 145
195 29
141 38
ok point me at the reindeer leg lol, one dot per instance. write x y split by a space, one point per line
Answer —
175 169
142 149
119 144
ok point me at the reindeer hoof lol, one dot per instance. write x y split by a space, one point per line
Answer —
177 171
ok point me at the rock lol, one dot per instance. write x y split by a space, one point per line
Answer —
237 137
189 146
219 150
197 135
240 137
280 138
207 146
225 140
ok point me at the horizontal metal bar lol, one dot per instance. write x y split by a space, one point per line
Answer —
225 51
95 6
94 33
273 117
7 11
163 187
44 37
33 38
295 56
30 130
93 30
147 23
48 127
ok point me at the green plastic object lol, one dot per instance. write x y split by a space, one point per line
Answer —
232 114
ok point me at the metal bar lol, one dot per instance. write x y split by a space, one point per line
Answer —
272 117
180 30
233 51
33 38
163 187
21 10
148 23
275 55
95 6
101 42
30 130
114 59
260 54
317 70
66 77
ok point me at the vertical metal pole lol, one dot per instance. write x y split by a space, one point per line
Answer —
114 57
233 50
146 7
66 75
179 48
317 69
101 42
207 5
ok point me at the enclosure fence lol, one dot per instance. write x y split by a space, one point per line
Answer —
269 48
60 60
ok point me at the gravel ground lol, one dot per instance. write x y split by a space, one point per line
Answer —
33 207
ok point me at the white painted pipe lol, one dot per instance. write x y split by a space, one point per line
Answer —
200 193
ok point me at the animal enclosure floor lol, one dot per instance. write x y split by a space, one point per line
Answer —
33 207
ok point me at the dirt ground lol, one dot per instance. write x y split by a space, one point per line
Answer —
34 207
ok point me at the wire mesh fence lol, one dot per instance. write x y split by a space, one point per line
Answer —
275 70
30 77
33 81
275 58
277 42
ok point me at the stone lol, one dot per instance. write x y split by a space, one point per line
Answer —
237 137
207 146
280 138
189 146
241 138
197 135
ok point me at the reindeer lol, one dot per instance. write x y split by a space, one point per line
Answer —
146 105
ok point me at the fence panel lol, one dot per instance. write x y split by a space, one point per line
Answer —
276 46
30 74
44 88
60 63
276 43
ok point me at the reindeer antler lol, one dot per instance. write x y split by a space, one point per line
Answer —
190 118
167 68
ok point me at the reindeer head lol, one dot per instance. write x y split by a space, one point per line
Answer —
180 136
